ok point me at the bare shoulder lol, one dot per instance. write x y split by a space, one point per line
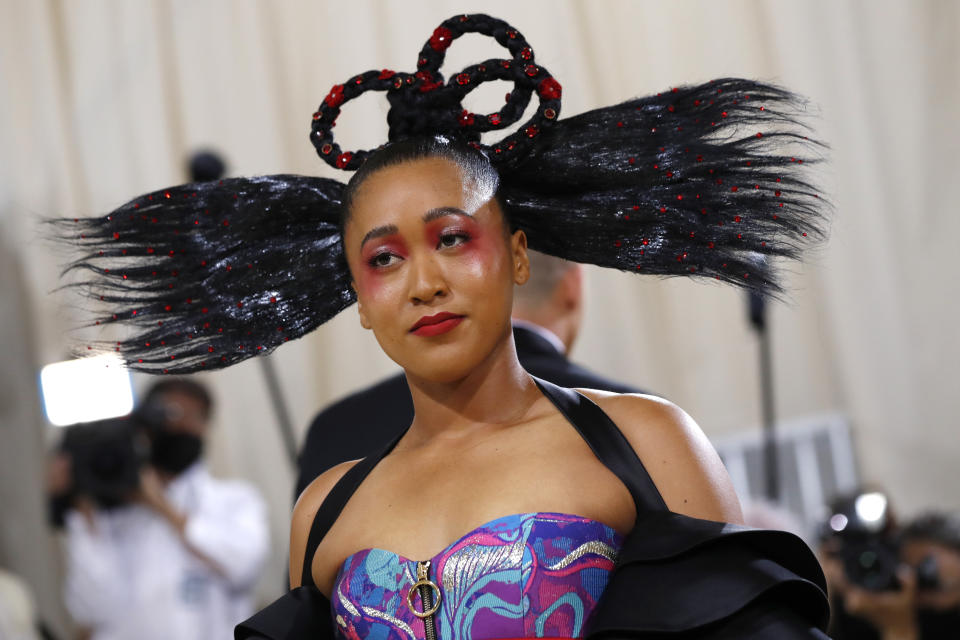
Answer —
676 453
304 513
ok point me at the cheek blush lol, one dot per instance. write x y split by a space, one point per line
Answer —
478 249
370 278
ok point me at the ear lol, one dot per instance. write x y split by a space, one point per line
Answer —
364 322
521 261
571 287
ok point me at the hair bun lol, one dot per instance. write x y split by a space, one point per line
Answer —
421 103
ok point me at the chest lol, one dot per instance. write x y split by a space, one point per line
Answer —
417 505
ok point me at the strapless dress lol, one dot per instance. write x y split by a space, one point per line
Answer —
530 575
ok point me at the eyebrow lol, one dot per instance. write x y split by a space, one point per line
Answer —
379 232
441 212
432 214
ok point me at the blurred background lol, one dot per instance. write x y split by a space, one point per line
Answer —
103 100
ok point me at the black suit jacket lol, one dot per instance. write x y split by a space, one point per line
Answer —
363 422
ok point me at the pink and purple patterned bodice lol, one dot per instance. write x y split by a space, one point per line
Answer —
531 575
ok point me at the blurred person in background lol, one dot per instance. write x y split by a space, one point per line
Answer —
892 583
155 546
547 316
926 604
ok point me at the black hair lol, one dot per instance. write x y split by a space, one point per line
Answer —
182 386
473 163
704 181
942 528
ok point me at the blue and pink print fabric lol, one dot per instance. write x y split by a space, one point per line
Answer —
531 575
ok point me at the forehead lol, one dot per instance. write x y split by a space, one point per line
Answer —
412 188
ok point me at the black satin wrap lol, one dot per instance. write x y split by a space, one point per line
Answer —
681 577
303 612
676 577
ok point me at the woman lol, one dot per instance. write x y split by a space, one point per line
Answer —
510 507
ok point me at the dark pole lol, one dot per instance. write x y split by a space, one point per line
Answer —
758 320
279 408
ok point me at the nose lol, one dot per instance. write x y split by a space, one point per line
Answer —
426 281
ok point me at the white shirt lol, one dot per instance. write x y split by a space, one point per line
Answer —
131 577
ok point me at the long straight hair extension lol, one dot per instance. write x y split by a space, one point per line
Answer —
208 274
702 181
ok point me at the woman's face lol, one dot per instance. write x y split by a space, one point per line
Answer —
433 267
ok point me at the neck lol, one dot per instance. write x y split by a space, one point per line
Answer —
498 392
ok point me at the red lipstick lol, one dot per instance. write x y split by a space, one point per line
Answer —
436 324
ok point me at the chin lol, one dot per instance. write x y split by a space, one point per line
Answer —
442 365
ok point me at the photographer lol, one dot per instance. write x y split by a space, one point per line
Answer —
896 585
155 546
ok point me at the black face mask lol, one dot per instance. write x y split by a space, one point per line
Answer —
174 452
937 625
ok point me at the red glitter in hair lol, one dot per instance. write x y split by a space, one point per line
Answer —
550 89
441 39
335 97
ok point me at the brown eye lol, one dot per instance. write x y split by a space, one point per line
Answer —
450 240
382 260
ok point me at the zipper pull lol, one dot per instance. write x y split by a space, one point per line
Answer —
426 588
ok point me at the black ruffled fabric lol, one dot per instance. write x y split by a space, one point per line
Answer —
300 614
676 577
680 577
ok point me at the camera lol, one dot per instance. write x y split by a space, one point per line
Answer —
861 533
106 456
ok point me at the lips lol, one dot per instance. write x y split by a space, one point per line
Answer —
436 324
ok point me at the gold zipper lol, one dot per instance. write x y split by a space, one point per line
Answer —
425 588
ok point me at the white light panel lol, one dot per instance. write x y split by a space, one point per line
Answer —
87 389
